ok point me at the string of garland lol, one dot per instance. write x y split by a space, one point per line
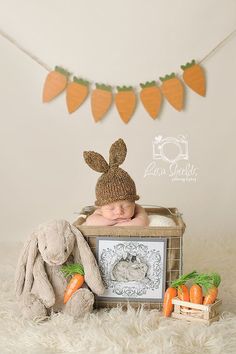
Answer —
151 95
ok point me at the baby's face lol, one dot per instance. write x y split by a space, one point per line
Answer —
122 209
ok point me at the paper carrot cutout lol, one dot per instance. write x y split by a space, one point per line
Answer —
125 101
151 98
101 101
56 82
173 90
76 93
194 77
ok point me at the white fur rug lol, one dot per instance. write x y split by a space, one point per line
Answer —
114 331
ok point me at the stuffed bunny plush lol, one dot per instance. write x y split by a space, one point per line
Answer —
40 284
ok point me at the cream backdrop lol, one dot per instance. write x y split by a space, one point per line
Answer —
43 175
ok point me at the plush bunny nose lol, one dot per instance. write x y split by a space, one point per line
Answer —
54 261
54 257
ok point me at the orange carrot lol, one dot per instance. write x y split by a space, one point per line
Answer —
182 290
167 304
75 283
173 90
77 280
171 292
101 101
151 98
125 101
76 93
194 77
55 83
196 294
211 296
183 293
212 291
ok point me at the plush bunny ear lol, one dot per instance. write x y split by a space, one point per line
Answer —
24 270
86 257
96 161
117 153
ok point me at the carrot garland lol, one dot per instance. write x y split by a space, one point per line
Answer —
101 101
150 94
75 270
125 101
55 83
76 93
194 77
151 98
173 90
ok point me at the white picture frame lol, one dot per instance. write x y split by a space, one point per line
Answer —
132 269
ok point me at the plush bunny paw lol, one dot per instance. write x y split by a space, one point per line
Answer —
33 308
80 303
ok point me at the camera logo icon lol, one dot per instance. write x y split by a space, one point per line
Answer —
170 149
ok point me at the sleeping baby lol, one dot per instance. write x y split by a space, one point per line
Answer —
115 191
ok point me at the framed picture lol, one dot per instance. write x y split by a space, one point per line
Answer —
132 268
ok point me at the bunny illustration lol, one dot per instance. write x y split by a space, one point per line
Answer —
39 283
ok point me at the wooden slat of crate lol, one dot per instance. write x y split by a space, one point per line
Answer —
206 313
206 308
135 231
194 319
124 304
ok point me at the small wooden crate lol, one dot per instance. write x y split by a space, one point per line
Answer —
188 311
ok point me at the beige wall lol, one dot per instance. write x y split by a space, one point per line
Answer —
43 175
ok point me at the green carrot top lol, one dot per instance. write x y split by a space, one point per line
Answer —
71 269
183 279
208 280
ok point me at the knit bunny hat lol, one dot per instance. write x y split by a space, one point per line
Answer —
114 184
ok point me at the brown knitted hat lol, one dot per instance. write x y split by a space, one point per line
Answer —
114 184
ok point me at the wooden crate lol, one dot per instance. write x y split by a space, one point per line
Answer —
173 235
188 311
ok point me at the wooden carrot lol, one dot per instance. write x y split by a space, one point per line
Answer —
212 291
167 304
56 82
101 101
194 77
77 272
151 98
173 90
125 101
76 93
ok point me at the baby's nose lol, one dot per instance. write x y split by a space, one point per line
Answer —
119 211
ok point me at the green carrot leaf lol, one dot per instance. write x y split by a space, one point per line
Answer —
183 279
71 269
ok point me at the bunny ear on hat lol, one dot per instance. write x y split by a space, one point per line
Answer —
117 153
96 161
